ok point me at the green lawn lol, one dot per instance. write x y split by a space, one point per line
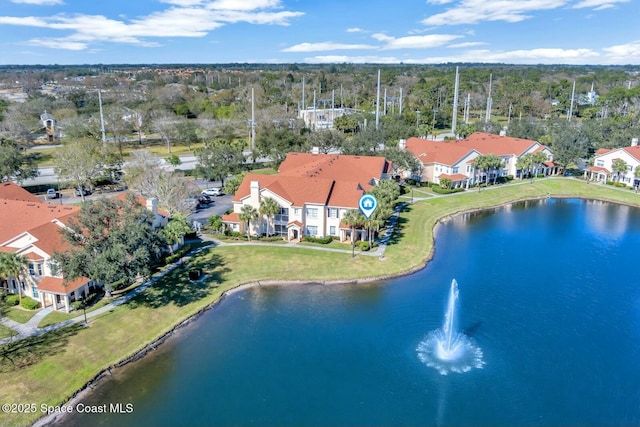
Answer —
6 332
51 368
20 315
59 316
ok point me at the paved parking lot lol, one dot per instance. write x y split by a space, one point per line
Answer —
220 205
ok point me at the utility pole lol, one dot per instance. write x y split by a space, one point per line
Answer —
384 108
400 106
104 138
573 94
454 119
487 115
315 115
253 121
378 103
303 106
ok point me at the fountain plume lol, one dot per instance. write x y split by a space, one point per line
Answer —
446 349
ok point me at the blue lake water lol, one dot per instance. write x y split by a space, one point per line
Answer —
549 290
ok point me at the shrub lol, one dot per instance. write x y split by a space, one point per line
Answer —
270 238
12 299
322 240
30 303
178 254
76 305
236 234
440 190
363 245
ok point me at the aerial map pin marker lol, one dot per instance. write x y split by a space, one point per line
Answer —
367 205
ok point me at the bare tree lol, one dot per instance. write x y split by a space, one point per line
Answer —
164 124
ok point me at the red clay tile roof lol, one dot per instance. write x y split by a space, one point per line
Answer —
451 152
34 256
17 217
57 285
50 238
12 191
232 217
487 143
295 223
446 153
634 151
602 151
324 179
455 177
597 169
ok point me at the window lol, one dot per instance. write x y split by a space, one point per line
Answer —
468 168
283 216
600 163
333 213
455 170
54 268
34 291
332 231
32 269
312 213
629 168
296 211
312 230
39 266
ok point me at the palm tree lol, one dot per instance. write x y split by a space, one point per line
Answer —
11 265
537 159
524 163
619 166
269 208
175 230
353 218
487 163
248 215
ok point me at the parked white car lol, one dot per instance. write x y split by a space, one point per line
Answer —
52 194
213 192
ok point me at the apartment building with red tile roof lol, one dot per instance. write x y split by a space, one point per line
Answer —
454 159
313 191
602 169
31 228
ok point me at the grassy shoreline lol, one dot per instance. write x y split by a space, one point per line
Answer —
57 366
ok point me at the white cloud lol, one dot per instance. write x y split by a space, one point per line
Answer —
336 59
39 2
473 11
415 42
628 53
190 20
244 4
319 47
355 30
598 4
466 44
183 3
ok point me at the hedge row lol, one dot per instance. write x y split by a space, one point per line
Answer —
178 254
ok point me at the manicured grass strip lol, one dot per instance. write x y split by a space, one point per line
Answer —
20 315
51 368
59 316
6 332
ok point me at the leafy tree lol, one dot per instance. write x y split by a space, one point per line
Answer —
79 162
175 230
364 143
14 163
325 140
233 183
215 223
11 265
173 160
111 240
186 132
401 160
275 143
248 215
217 162
445 183
619 166
347 123
570 143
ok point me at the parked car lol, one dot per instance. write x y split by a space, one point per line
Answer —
213 192
52 194
81 192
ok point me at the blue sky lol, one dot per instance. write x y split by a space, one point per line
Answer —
319 31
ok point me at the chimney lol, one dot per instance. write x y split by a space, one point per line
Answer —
634 142
315 150
254 194
152 205
402 144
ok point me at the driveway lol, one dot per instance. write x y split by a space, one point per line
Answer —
220 205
